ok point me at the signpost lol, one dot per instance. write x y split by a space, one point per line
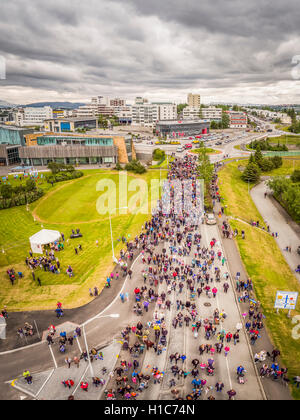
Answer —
286 300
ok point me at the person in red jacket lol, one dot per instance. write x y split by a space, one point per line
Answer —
84 386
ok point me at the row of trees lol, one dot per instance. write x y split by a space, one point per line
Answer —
287 192
19 195
134 166
265 145
205 171
257 164
62 172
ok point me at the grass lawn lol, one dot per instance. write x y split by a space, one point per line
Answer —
207 149
164 164
285 139
287 168
69 205
266 266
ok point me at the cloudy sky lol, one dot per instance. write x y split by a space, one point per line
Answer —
233 50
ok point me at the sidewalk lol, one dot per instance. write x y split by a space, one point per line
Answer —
47 385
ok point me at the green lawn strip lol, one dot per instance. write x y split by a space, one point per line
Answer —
237 201
287 168
285 139
269 271
91 266
207 149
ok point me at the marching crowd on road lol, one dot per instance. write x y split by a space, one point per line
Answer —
180 272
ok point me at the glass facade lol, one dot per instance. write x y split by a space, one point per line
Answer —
69 140
13 155
9 136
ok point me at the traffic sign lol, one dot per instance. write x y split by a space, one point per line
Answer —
286 300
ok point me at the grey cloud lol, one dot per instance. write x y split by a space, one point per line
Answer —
135 46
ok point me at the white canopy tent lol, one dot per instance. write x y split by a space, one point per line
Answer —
43 237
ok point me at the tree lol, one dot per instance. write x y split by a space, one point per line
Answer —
180 108
258 156
158 154
251 173
54 167
30 185
205 168
225 120
214 125
295 177
277 161
6 191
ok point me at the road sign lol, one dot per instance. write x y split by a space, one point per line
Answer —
286 300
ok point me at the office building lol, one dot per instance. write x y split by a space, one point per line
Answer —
237 119
33 116
184 128
191 113
212 114
61 125
193 100
76 149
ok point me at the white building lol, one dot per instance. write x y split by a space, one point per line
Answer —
191 113
33 116
212 113
147 115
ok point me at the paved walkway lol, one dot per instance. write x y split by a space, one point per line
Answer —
47 385
279 221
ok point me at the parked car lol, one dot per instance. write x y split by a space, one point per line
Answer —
210 219
179 149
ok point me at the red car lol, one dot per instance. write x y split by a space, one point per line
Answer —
188 146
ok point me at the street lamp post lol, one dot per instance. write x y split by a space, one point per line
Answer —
111 235
85 340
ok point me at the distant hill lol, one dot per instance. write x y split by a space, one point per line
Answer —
65 105
4 104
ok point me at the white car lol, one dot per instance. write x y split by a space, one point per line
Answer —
210 219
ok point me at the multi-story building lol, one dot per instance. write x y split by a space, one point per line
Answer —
76 149
61 125
117 102
237 119
11 139
191 113
33 116
147 115
124 113
211 113
193 100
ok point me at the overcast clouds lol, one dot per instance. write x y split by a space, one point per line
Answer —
230 50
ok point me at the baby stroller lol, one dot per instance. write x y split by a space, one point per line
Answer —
241 380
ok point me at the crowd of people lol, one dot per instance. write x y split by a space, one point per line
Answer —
172 285
180 274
